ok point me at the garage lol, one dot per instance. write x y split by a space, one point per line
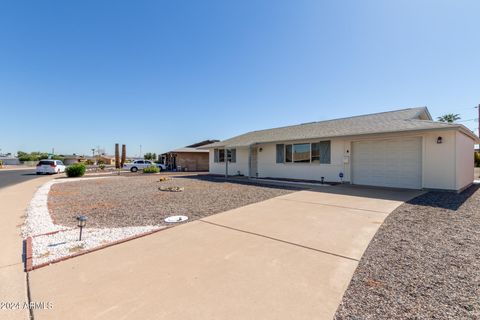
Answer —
393 163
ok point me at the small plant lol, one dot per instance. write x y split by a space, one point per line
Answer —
151 169
101 166
1 164
477 159
75 170
163 179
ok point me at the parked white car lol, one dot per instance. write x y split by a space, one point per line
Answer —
141 164
48 166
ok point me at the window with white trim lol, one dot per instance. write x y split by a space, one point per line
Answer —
318 152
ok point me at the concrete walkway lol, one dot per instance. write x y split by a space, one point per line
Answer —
290 257
13 202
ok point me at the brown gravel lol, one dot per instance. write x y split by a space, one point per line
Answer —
423 263
137 200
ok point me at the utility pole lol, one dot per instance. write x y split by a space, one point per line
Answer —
478 109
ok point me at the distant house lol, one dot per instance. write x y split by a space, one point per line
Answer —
105 159
189 158
402 148
8 161
71 159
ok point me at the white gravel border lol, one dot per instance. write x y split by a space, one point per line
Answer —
64 243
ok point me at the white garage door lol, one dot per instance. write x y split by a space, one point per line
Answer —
388 163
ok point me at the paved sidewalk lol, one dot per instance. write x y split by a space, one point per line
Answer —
13 202
289 257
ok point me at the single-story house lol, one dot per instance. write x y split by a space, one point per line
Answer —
71 159
105 159
402 149
189 158
10 161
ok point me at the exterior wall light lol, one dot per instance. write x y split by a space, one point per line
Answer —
439 140
82 222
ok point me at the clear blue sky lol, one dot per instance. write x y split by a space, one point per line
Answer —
80 74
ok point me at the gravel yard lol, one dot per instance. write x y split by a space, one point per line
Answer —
137 200
423 263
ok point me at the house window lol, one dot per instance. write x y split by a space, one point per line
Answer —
325 153
315 158
280 153
288 153
301 152
221 155
232 155
318 152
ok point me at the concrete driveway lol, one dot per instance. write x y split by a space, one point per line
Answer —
290 257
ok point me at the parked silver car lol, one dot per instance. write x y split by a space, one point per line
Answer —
141 164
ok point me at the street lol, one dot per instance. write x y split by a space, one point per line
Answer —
12 177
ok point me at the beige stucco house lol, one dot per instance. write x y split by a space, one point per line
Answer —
403 149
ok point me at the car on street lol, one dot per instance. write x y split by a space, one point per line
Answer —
48 166
141 164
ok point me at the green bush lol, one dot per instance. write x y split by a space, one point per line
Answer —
101 166
151 169
75 170
477 159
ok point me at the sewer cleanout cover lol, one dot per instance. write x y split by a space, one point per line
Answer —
173 219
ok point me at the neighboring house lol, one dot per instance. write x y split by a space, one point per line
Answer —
403 148
71 159
189 158
108 160
9 161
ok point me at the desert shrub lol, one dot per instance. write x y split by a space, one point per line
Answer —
88 162
75 170
477 159
101 166
1 163
151 169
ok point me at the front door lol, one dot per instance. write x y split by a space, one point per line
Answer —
253 162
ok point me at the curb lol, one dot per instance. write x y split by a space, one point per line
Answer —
29 258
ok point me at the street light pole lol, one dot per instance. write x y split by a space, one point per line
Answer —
478 109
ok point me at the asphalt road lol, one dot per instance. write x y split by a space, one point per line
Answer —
11 177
